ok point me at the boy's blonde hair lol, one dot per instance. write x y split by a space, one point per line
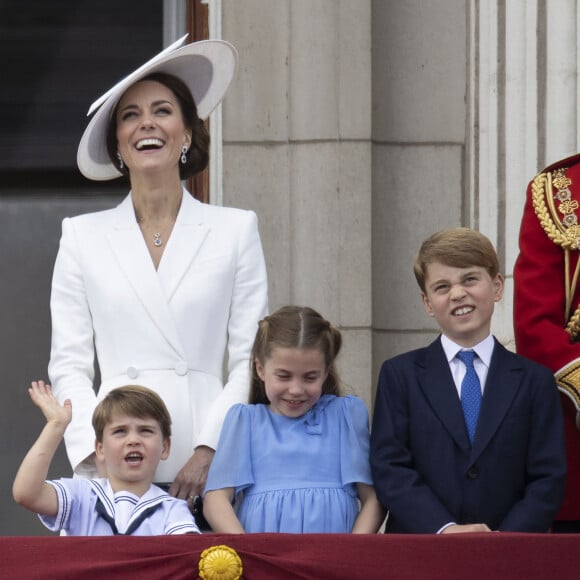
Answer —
458 248
133 401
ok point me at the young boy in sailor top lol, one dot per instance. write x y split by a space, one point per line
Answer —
133 433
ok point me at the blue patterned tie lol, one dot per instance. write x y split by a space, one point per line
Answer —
470 392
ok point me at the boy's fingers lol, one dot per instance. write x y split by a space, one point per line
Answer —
40 386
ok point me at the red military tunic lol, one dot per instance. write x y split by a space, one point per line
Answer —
547 298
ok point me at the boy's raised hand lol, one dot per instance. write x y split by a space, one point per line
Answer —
41 395
30 488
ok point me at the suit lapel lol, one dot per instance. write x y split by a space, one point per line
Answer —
128 246
502 384
186 239
437 384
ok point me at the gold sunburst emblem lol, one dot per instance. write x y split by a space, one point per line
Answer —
220 563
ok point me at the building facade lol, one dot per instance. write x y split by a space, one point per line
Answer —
354 129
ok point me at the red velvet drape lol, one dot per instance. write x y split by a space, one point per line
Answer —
286 557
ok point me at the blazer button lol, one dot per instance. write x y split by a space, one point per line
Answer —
472 473
132 373
181 368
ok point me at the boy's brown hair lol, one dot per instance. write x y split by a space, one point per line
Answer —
133 401
458 248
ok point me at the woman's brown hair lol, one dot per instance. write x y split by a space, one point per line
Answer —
198 155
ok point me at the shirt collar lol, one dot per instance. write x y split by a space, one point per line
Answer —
483 349
104 491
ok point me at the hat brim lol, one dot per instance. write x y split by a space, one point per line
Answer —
207 67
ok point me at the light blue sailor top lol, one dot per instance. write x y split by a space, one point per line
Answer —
90 507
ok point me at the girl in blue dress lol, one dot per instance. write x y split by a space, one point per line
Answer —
296 458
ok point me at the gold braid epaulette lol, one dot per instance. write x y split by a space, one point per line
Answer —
573 326
568 380
564 232
568 237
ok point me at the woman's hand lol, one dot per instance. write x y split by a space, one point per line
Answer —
190 481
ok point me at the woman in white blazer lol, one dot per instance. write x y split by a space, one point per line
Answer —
161 289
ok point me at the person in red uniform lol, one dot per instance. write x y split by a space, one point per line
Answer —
547 303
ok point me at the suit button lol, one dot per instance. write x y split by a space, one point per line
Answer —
472 473
132 373
181 368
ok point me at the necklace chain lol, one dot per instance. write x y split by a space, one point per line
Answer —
157 241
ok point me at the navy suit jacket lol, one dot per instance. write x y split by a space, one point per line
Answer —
426 472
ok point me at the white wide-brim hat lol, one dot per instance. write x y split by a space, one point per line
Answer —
207 67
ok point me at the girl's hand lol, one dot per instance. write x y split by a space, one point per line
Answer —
41 395
372 513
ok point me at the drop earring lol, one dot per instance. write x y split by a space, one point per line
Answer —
121 164
184 151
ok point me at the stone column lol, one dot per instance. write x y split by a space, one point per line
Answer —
502 129
561 80
523 96
419 119
296 149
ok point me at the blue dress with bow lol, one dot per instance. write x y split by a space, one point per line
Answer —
295 475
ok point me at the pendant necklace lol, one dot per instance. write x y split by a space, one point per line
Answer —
157 241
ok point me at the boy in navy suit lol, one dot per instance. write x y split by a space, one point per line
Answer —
467 436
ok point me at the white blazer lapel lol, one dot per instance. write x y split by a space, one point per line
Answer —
128 246
187 237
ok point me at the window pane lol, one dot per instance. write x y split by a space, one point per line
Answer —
57 57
